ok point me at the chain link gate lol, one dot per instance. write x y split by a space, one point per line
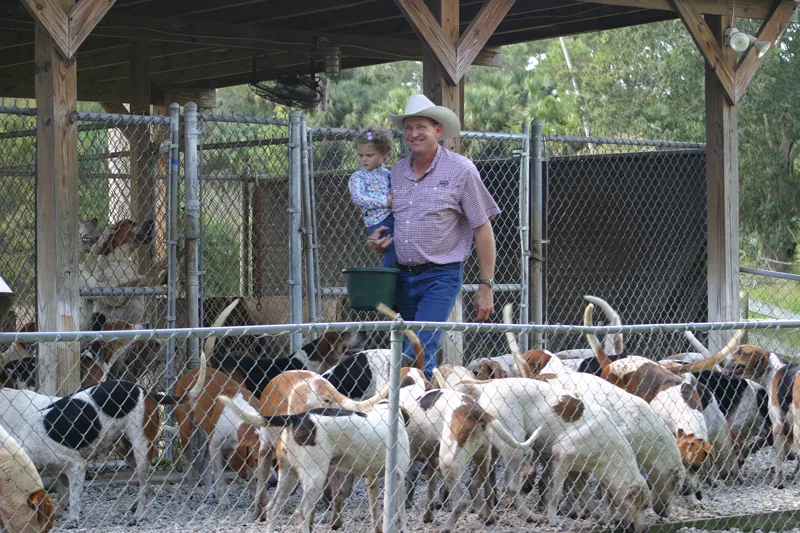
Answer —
339 238
625 220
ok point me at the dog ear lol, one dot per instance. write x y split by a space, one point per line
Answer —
45 508
709 449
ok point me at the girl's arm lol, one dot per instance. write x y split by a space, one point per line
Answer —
363 198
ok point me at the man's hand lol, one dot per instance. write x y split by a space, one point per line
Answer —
483 303
377 242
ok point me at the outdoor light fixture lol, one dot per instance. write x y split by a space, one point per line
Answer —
737 40
333 58
741 41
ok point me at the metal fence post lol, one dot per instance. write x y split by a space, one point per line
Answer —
525 232
170 373
537 227
201 260
191 233
308 233
390 508
295 238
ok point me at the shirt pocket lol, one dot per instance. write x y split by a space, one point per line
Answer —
440 196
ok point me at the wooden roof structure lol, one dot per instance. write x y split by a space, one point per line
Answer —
194 46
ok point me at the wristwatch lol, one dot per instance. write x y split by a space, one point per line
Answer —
489 282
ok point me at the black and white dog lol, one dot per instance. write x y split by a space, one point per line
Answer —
64 434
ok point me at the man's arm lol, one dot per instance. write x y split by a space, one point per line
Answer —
485 248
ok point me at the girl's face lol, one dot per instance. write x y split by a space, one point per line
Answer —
369 156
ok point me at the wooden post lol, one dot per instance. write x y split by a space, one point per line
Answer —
57 279
722 190
436 87
143 188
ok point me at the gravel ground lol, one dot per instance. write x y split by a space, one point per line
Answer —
176 509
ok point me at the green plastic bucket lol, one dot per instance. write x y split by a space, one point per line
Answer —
369 286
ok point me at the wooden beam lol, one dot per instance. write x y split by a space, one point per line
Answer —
53 19
772 28
478 32
58 273
436 87
434 39
142 187
711 48
722 193
755 9
68 27
83 17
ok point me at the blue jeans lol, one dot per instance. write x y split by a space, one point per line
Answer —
389 256
428 297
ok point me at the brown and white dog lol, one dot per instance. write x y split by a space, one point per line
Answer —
574 437
290 393
781 379
224 430
96 361
676 401
501 366
25 506
314 441
109 264
652 442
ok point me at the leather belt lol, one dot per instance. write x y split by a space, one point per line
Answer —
416 269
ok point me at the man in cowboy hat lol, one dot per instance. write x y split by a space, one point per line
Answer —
440 206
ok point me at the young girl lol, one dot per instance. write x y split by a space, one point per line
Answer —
369 185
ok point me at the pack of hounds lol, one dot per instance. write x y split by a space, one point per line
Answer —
599 433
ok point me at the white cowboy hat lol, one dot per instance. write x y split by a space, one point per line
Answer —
418 105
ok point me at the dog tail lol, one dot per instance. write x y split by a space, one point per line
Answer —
696 344
598 350
508 439
208 349
364 406
437 379
419 351
252 417
613 343
709 363
511 338
194 392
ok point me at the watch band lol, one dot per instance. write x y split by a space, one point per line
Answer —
489 282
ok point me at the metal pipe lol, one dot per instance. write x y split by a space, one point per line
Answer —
191 231
390 479
244 235
383 325
537 227
467 288
123 291
631 142
122 120
308 234
295 215
170 371
525 231
769 273
201 256
246 120
312 183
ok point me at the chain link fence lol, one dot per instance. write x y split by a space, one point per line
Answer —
625 219
267 219
615 450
